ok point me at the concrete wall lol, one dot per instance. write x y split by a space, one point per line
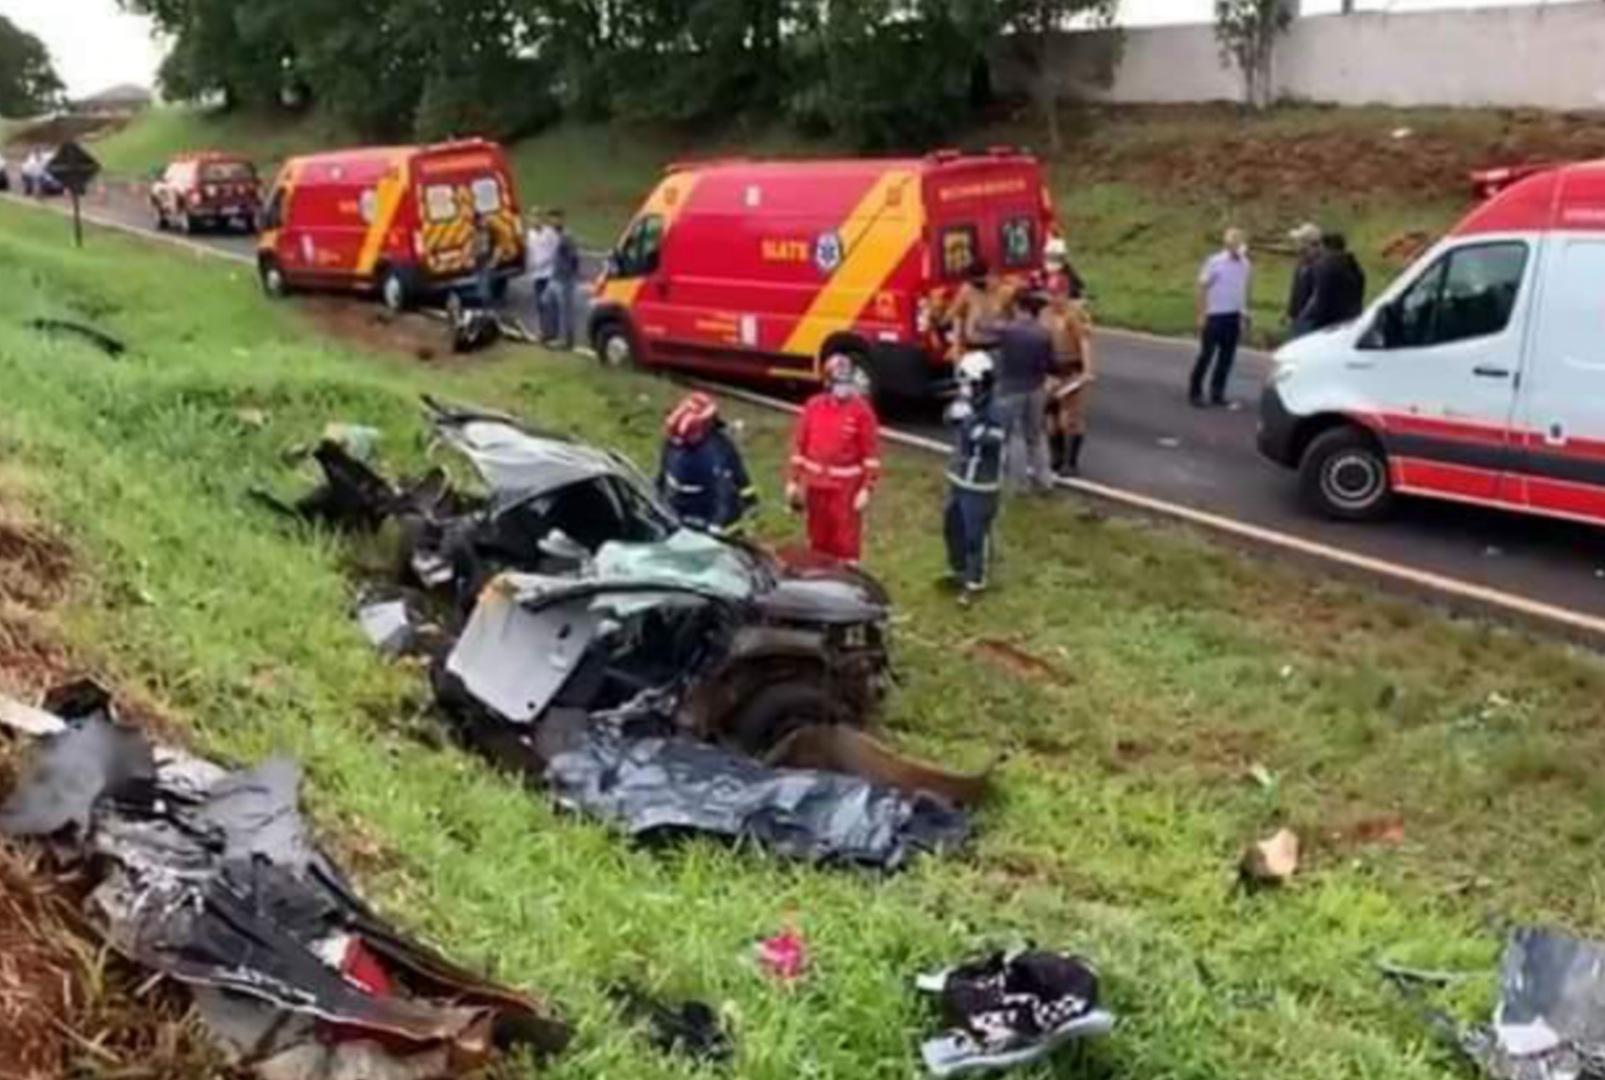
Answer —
1550 57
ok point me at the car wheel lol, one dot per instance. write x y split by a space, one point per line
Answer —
160 217
775 712
614 346
273 280
1344 475
186 224
393 291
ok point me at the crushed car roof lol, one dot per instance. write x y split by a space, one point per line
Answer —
514 460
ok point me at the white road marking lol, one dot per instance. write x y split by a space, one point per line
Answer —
1423 579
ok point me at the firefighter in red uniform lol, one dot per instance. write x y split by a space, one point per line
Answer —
835 462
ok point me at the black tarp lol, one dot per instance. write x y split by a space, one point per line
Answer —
658 785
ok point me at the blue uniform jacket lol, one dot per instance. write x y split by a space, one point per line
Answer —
706 481
976 463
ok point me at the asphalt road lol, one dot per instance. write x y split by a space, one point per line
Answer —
1145 438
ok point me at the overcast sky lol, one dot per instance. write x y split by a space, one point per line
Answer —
95 45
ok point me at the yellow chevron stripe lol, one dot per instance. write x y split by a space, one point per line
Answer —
875 239
667 199
388 195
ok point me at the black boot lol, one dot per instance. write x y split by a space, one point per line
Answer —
1056 452
1072 457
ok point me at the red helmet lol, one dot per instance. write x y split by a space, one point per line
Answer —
691 419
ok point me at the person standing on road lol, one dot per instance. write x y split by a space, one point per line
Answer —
1223 291
701 475
974 475
1025 359
484 252
1068 387
540 247
835 463
1337 291
565 278
1307 244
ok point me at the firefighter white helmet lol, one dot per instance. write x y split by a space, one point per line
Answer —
975 369
1055 252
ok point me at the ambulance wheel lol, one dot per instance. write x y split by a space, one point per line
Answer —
614 346
1344 475
273 280
394 292
776 711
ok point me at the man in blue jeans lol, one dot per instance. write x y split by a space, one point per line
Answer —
1223 291
558 299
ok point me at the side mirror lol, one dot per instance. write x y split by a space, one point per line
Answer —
560 545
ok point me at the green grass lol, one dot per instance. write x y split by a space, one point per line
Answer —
158 134
1179 666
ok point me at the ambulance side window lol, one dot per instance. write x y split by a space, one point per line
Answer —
1017 240
641 247
1468 293
960 249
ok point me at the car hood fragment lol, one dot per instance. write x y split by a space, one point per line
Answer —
212 878
512 459
1550 1020
662 785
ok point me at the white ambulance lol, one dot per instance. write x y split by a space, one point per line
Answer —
1479 376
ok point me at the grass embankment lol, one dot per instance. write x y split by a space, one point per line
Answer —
1158 669
1144 192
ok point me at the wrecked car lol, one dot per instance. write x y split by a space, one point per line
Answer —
585 591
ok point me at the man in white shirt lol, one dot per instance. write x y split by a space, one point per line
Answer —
1223 291
541 259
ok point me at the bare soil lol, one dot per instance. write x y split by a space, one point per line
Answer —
370 325
60 129
1341 153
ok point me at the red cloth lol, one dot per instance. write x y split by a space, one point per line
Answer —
836 444
834 527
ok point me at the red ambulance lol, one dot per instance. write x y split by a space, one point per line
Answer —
398 221
765 268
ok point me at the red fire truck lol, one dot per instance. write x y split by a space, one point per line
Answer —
396 220
764 268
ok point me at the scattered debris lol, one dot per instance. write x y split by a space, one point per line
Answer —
1011 1009
1400 133
1272 861
783 956
1550 1020
1169 442
691 1028
388 624
471 328
212 878
253 419
1262 776
357 440
656 784
98 338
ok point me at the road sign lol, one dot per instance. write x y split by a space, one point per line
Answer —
73 168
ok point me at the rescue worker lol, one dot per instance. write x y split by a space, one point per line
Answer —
974 475
1058 277
484 254
974 313
701 475
1070 327
835 462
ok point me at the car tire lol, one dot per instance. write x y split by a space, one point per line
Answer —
615 346
1344 476
185 223
775 712
160 221
394 292
271 274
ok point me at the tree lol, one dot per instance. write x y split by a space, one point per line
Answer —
1034 25
28 81
1247 31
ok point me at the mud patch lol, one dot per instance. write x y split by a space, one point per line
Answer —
1018 662
1386 830
372 326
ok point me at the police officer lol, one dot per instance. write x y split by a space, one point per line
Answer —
974 475
701 475
835 462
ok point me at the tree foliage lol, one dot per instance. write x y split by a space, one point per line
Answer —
28 81
883 73
1247 31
